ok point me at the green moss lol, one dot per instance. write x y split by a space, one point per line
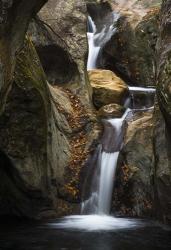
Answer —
29 72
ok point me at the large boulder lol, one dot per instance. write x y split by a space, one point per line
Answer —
133 190
107 88
143 179
131 50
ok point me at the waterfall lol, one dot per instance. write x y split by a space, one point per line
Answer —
93 52
142 98
96 39
95 208
101 193
108 168
93 49
141 89
99 201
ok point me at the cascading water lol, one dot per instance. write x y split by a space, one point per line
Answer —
95 210
100 199
93 49
109 163
97 38
96 207
142 98
108 167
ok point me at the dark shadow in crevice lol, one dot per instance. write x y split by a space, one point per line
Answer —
10 193
57 65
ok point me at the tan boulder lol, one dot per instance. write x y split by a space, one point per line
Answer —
112 110
107 88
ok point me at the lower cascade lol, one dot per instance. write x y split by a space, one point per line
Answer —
95 209
102 186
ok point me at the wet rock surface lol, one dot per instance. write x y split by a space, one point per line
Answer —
134 191
112 110
131 51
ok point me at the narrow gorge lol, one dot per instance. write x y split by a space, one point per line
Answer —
85 125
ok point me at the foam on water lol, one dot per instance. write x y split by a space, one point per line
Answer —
96 223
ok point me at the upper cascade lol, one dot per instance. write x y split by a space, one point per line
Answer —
98 37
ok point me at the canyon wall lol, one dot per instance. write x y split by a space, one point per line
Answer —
47 124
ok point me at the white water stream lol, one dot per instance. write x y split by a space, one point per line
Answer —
141 89
108 169
99 201
93 49
97 38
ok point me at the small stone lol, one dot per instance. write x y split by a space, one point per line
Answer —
111 111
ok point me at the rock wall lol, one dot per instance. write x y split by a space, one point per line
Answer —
163 134
163 63
70 34
47 129
14 19
145 162
143 181
134 191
